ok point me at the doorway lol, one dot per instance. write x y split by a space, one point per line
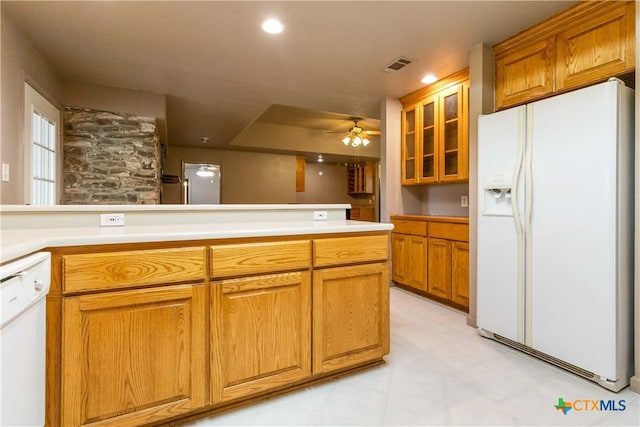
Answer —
201 183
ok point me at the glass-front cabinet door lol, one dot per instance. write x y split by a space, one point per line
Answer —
435 132
429 147
452 134
409 151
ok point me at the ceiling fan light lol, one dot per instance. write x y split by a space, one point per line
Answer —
365 141
346 140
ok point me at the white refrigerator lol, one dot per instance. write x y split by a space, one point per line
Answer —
555 230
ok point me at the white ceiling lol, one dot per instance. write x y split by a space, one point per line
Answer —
220 72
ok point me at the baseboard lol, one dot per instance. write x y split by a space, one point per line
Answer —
635 383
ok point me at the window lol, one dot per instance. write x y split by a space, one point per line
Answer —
41 149
43 161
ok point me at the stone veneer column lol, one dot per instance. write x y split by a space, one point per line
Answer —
110 158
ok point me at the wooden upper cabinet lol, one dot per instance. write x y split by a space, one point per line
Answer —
597 48
435 132
408 148
360 178
587 43
525 73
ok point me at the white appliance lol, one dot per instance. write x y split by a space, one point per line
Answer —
555 230
23 287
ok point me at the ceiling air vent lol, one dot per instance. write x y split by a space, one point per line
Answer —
397 64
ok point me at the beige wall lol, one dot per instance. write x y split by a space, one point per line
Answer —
20 62
247 177
119 100
444 199
330 187
395 199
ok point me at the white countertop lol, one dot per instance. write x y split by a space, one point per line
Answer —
27 229
20 242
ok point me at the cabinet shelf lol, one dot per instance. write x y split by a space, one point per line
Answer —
360 178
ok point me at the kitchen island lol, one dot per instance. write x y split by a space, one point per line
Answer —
187 311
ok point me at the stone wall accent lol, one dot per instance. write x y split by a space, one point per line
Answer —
110 158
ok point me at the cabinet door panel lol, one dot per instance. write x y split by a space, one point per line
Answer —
399 254
525 74
460 273
261 333
439 267
350 316
453 134
596 49
417 262
429 140
409 167
132 357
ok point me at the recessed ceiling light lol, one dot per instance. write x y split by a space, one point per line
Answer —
273 26
429 78
320 159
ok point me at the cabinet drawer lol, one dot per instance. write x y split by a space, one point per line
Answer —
404 226
255 258
448 231
115 270
349 250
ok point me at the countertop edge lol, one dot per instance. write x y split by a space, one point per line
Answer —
432 218
18 243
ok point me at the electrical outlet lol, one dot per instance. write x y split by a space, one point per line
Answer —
321 215
5 172
112 220
464 201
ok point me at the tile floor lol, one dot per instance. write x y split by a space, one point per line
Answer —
440 372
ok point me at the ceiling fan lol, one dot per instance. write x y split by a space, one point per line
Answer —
357 135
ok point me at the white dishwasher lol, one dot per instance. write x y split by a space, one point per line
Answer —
23 286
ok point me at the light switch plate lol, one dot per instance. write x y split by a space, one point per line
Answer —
464 201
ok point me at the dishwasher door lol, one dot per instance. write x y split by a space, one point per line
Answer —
24 285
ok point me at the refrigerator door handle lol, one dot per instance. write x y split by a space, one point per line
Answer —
515 197
528 206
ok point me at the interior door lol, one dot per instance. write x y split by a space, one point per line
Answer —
202 183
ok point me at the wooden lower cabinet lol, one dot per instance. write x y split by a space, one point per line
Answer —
430 256
260 334
449 271
132 357
235 319
439 268
409 261
460 273
350 316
